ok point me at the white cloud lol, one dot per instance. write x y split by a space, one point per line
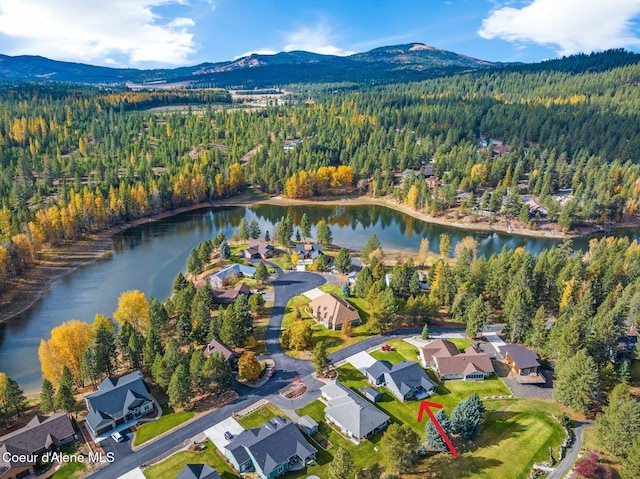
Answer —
572 26
261 51
316 39
97 31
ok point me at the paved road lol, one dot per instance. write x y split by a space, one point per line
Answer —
565 465
286 286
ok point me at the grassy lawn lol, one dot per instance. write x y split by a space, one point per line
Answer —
461 343
333 339
517 433
448 394
362 455
73 469
169 468
258 417
403 352
167 421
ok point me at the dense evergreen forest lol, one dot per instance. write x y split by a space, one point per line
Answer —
75 160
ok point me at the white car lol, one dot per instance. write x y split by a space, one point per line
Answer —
116 436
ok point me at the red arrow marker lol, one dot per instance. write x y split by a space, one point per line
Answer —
426 406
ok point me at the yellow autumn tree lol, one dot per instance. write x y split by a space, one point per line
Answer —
133 308
412 197
102 320
294 258
3 381
249 367
67 344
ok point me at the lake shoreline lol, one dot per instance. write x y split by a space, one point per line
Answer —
57 262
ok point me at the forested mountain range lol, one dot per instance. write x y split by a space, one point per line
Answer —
413 61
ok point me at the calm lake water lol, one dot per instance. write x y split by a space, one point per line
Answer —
149 257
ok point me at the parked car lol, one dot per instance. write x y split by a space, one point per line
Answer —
228 436
116 436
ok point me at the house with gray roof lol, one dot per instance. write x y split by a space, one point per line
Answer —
356 418
270 450
117 401
42 434
407 380
375 372
198 471
229 274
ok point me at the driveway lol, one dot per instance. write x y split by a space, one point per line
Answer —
565 465
217 432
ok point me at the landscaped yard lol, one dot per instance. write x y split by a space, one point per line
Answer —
449 394
169 468
333 339
167 421
461 343
258 417
362 455
72 469
403 351
517 433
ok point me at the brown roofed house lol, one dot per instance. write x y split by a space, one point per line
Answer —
524 363
259 250
228 296
332 312
40 435
445 358
228 354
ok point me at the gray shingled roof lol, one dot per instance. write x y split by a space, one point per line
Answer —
377 369
407 376
270 445
351 411
115 397
522 356
41 432
198 471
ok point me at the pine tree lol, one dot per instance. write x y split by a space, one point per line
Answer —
341 464
196 365
180 283
324 232
346 290
64 400
254 229
104 352
445 245
261 274
157 312
631 465
425 332
577 380
343 261
243 229
267 236
14 397
46 397
305 226
256 303
372 244
467 417
320 357
399 447
619 423
194 263
179 391
624 373
434 439
217 371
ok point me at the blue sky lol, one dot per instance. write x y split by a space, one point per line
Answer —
167 33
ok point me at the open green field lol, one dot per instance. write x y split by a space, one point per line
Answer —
258 417
169 468
362 455
333 339
167 421
517 434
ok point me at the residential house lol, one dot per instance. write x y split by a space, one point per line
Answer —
308 252
536 208
405 380
308 425
20 468
332 312
433 182
258 249
227 353
117 401
375 372
523 362
409 173
198 471
231 273
269 450
229 296
42 434
354 416
447 360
